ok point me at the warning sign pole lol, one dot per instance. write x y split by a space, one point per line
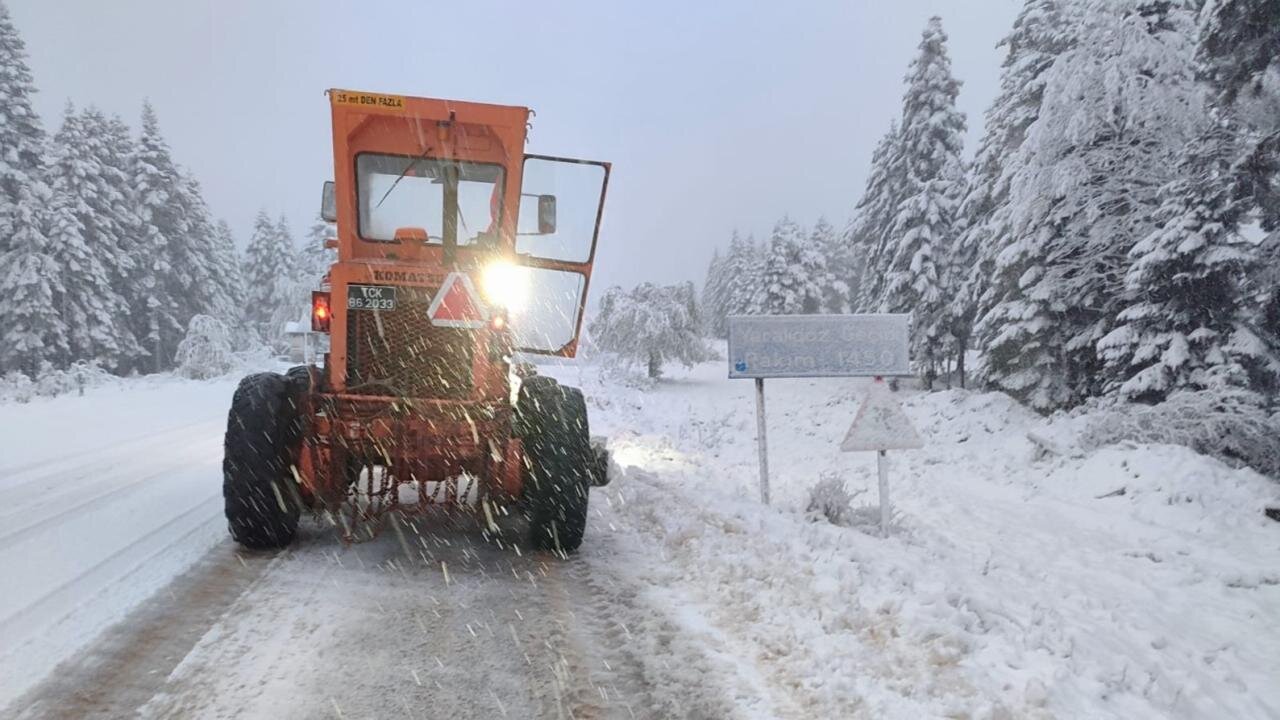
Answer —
882 469
762 442
881 425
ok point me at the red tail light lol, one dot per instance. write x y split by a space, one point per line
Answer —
320 314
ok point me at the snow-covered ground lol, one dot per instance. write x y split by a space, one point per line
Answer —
104 499
1011 587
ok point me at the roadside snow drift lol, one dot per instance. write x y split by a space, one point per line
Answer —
1138 581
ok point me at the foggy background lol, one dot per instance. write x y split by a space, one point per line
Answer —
715 115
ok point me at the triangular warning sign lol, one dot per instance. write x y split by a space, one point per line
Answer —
881 424
457 305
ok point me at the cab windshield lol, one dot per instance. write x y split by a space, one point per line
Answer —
399 191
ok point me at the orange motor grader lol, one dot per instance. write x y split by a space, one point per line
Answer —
457 251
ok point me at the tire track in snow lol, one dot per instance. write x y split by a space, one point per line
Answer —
114 568
102 456
113 492
113 678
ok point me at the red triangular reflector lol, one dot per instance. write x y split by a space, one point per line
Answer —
457 304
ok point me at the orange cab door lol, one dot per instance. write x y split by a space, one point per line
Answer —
561 204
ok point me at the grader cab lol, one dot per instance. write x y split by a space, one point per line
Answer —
457 252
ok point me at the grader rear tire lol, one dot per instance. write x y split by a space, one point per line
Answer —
262 503
552 419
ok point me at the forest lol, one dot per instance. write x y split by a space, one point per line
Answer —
1113 235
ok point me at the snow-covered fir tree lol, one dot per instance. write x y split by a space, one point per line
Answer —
868 232
1240 50
1239 54
210 289
21 134
315 258
1189 323
295 301
1265 282
115 205
794 276
34 333
841 264
715 294
161 313
226 259
931 140
269 269
1041 32
743 266
31 329
85 236
1118 109
650 324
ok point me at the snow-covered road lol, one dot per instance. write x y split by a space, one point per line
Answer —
116 565
369 631
1012 586
103 500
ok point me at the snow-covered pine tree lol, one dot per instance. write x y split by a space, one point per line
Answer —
794 278
115 211
650 324
931 139
868 231
742 272
1189 323
269 268
21 135
161 313
83 239
295 303
1239 55
316 259
1266 287
32 329
1239 50
841 265
211 291
1118 109
1041 32
226 258
714 295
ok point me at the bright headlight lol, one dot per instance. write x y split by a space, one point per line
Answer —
505 285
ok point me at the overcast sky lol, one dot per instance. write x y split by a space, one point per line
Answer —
715 115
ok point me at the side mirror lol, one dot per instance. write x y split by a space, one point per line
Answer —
329 203
546 214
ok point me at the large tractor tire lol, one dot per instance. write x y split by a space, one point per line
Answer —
552 420
263 429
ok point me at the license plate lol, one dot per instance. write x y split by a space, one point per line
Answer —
371 297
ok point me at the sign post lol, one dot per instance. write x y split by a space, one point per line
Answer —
814 346
762 442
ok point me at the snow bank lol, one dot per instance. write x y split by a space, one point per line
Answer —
1027 575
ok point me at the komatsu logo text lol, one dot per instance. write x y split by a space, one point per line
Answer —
405 277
